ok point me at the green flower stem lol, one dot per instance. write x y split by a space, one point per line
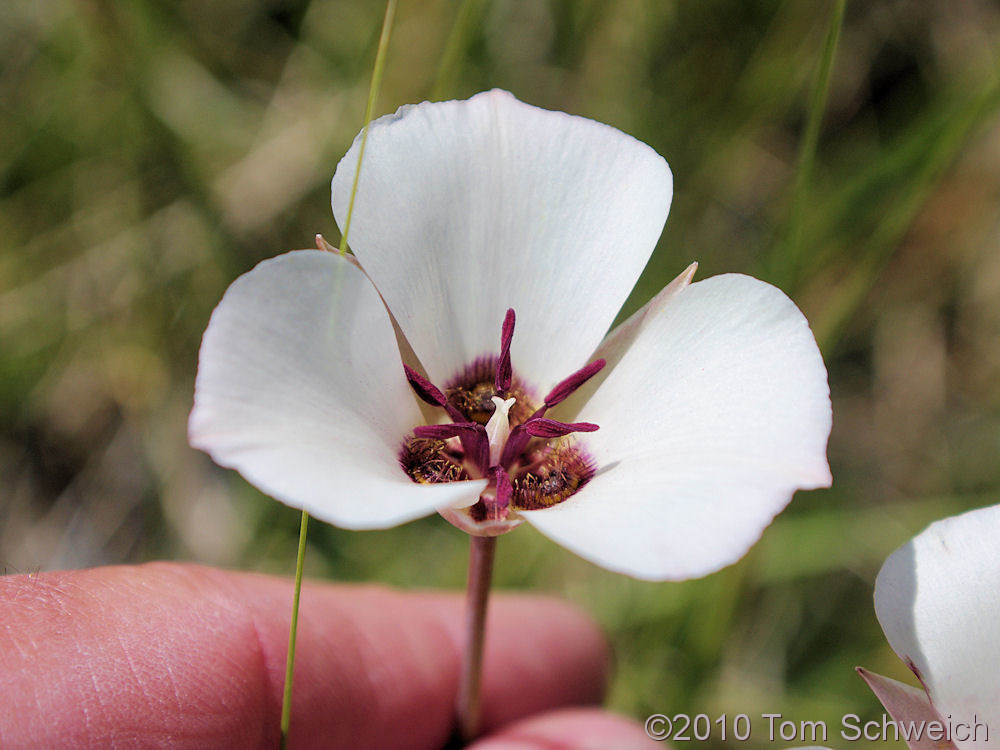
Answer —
469 704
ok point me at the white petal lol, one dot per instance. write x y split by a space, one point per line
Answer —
718 412
910 709
938 600
300 388
468 208
616 343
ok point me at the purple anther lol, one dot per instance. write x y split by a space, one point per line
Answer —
505 491
445 431
565 388
517 441
475 443
550 428
428 392
504 370
521 435
424 388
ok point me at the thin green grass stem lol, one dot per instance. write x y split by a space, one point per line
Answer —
934 153
466 19
286 699
790 261
376 83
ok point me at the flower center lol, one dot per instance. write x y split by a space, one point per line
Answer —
498 431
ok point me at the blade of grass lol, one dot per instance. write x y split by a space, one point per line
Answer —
376 83
929 154
286 698
812 543
383 46
469 15
788 261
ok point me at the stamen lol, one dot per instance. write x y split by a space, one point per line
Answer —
521 435
473 435
523 475
550 428
429 462
515 446
425 389
565 388
504 369
429 393
445 431
505 491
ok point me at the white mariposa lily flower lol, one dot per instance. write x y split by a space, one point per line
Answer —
667 463
938 600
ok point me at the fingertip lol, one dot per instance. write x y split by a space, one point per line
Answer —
197 654
147 652
570 729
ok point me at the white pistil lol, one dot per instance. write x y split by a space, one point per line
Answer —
498 428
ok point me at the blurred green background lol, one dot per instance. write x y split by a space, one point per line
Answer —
151 151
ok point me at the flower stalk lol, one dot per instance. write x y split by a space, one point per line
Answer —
469 703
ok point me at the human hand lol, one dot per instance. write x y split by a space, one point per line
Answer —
172 655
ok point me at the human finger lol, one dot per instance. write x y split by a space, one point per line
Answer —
570 729
181 655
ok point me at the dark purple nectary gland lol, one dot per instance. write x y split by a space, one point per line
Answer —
473 390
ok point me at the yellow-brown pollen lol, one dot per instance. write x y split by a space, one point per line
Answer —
547 472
